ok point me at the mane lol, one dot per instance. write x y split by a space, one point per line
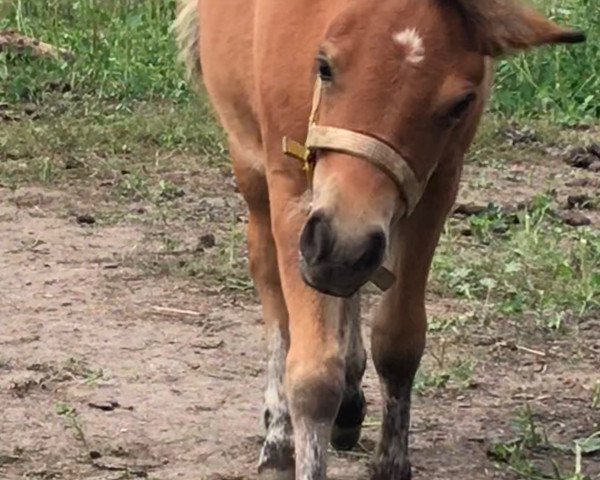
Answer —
187 35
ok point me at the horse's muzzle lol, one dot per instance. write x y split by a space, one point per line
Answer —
337 264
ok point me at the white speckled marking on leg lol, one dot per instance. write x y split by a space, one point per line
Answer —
311 450
277 451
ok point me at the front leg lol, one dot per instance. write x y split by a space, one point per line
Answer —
398 336
315 363
276 459
396 362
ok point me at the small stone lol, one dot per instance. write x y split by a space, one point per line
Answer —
577 182
500 229
73 163
575 219
469 209
86 219
594 149
207 241
594 166
30 108
579 158
516 135
139 209
95 455
579 200
583 160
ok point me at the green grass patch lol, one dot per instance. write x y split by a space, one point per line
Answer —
537 265
79 139
123 50
560 83
532 456
458 375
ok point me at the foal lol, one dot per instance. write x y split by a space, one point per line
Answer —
397 89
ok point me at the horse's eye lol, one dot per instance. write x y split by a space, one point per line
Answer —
460 106
324 69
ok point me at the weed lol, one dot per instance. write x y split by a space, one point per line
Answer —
448 322
169 191
133 186
533 457
459 375
72 420
596 395
429 380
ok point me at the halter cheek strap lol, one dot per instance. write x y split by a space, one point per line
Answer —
360 145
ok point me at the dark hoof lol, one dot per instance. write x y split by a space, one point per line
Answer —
345 438
348 423
392 473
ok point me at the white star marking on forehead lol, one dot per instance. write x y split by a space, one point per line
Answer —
412 42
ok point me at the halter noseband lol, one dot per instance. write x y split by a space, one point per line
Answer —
360 145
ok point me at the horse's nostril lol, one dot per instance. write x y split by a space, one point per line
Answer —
316 240
372 254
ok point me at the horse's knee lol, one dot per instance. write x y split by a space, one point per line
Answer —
315 389
397 356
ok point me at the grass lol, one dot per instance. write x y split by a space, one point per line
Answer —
532 456
458 375
536 266
94 135
560 83
123 50
223 265
72 421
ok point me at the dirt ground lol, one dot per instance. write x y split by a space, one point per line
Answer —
112 370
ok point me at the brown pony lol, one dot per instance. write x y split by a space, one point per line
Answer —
397 89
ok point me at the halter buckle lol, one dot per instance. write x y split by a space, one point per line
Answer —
303 154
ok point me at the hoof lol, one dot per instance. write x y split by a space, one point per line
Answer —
348 423
392 472
345 438
276 461
274 474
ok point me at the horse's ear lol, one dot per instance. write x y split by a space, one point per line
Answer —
504 26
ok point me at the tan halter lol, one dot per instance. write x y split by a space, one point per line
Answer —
364 146
354 143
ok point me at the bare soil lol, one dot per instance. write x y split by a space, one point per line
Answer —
111 368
